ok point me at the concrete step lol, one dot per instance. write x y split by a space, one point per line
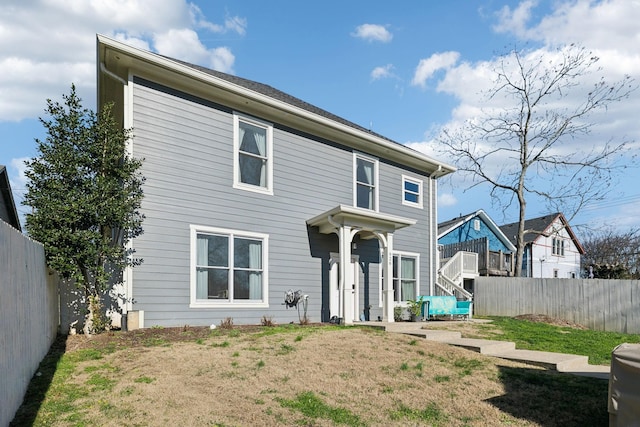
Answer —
417 331
569 363
488 347
558 361
437 335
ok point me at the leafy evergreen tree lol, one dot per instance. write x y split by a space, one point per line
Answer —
85 193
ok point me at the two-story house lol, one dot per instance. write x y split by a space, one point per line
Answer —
552 249
251 192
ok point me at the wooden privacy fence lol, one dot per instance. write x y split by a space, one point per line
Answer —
28 315
599 304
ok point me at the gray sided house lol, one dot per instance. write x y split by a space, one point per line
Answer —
251 192
8 212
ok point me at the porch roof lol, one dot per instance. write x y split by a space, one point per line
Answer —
358 218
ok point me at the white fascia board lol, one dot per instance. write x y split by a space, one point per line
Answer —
496 230
403 154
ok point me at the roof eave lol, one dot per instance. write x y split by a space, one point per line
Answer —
240 97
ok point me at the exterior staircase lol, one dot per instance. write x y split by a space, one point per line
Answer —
451 275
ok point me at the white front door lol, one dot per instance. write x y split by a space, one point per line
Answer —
334 288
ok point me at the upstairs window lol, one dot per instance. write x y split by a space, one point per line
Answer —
411 192
557 246
253 163
366 182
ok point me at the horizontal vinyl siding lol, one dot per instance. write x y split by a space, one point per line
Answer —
188 165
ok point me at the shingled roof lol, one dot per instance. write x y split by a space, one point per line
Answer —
538 225
277 94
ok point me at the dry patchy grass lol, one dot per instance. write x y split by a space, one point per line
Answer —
311 376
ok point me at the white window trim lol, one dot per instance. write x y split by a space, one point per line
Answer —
237 118
376 180
194 303
418 182
380 273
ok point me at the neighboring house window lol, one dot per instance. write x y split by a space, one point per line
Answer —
405 277
366 182
557 246
228 267
253 158
476 224
411 192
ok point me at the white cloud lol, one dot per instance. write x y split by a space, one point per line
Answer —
49 44
18 165
515 21
373 32
382 72
186 45
447 199
602 25
428 67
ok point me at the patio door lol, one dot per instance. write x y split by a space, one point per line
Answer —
335 298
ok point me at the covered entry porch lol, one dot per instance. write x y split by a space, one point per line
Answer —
347 222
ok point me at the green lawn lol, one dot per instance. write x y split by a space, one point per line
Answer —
530 335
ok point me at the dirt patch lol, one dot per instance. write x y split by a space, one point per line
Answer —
543 318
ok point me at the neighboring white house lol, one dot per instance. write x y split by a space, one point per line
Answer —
551 247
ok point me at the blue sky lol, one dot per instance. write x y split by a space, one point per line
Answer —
404 69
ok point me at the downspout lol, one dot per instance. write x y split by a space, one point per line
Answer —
113 75
433 204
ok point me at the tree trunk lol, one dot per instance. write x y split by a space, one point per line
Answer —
520 236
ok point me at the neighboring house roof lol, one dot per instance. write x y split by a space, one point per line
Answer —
446 227
8 212
116 59
540 227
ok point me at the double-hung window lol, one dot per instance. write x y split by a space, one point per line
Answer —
411 192
253 154
557 246
228 267
365 182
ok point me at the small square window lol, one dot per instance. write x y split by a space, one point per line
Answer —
411 192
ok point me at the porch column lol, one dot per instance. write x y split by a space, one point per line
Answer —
387 298
346 275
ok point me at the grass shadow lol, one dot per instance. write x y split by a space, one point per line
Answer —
549 398
40 383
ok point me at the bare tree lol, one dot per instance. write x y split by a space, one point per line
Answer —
522 134
611 254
